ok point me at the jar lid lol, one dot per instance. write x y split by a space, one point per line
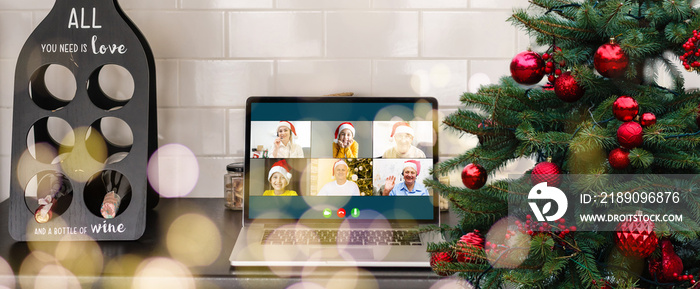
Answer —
236 167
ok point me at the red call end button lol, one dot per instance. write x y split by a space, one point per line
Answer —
341 213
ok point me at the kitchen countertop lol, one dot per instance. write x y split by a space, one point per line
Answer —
116 263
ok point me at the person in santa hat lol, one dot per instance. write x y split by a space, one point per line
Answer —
341 186
409 186
284 146
402 135
344 144
279 177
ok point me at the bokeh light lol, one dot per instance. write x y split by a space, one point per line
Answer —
55 276
194 240
477 81
7 279
420 82
173 171
32 265
291 253
509 247
440 75
35 240
86 157
123 265
35 159
162 273
305 285
452 283
83 258
352 278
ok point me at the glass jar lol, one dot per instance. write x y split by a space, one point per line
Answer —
233 186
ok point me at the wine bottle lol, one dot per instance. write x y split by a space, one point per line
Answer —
59 189
117 189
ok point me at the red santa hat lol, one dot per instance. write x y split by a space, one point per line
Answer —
341 127
401 127
288 125
412 164
282 168
337 163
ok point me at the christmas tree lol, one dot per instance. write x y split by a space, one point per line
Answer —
601 113
360 171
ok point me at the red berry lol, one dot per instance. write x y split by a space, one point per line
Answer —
545 56
528 216
557 72
550 64
551 78
547 70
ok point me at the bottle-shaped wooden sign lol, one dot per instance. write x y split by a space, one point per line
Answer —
84 126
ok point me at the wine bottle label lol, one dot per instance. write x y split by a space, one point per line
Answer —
110 205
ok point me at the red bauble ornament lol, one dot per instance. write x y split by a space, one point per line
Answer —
567 88
648 119
636 238
546 172
664 268
629 135
625 108
468 246
474 176
619 159
610 61
527 68
439 258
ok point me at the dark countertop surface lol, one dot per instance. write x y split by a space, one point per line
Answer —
180 248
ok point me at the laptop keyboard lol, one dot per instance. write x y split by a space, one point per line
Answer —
343 237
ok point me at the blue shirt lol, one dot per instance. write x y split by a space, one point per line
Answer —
400 189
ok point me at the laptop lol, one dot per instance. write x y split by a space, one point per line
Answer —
338 181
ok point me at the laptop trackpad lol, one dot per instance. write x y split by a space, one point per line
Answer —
347 254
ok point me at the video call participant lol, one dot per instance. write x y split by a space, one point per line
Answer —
279 177
284 146
402 135
341 186
344 144
409 186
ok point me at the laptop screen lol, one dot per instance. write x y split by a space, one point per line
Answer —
332 159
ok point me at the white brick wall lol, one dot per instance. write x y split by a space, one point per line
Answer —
212 54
